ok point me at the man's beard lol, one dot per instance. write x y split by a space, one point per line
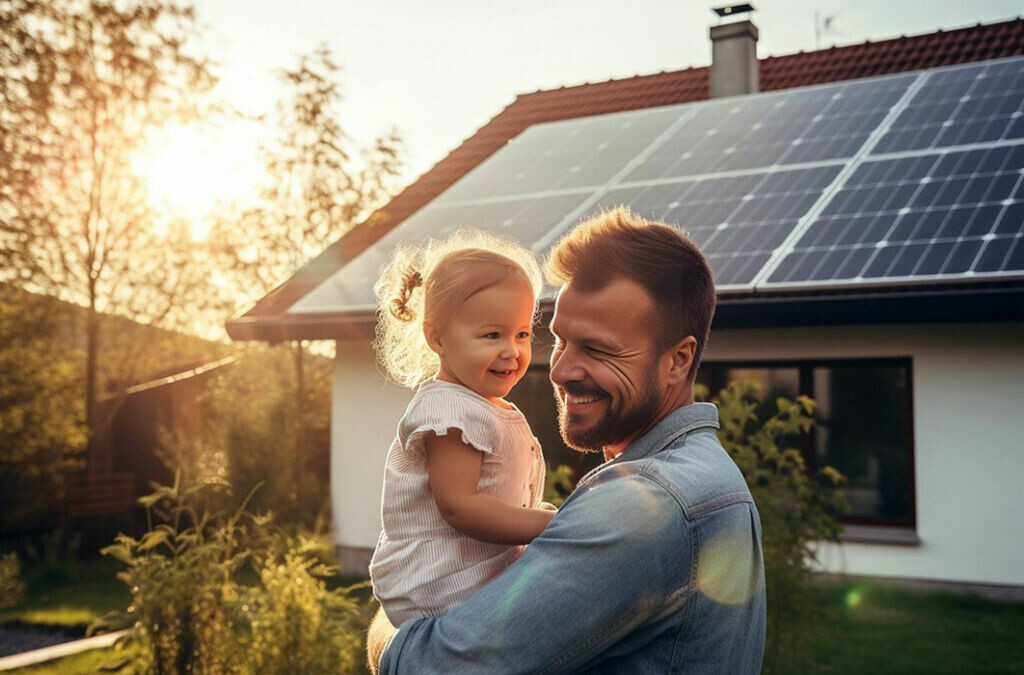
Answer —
614 426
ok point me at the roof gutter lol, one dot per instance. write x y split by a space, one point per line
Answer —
947 305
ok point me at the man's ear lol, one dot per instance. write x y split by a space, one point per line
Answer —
680 360
433 336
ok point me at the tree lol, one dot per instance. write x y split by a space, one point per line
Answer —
40 422
81 84
319 185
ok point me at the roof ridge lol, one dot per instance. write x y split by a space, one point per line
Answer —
800 52
268 319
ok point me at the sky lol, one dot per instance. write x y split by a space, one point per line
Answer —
440 70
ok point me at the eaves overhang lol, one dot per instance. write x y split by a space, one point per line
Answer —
879 306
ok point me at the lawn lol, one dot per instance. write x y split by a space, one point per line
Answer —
881 630
70 595
862 628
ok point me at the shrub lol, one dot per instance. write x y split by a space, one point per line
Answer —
12 588
558 483
797 509
297 624
192 613
265 435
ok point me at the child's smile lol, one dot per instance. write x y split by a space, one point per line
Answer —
485 344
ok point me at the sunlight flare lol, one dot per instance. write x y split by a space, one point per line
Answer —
189 169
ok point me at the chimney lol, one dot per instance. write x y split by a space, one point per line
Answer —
733 54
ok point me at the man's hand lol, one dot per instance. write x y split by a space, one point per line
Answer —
377 638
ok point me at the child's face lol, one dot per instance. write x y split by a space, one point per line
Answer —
485 344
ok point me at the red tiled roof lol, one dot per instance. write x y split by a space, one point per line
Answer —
266 320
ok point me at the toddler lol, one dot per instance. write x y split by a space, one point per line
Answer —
464 476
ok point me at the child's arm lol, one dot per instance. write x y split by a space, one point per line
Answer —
454 470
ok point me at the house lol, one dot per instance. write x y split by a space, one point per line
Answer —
863 210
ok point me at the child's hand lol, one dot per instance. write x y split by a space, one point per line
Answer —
548 506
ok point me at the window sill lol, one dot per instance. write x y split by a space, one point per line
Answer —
878 534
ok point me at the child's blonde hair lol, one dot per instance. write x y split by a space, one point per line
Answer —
450 271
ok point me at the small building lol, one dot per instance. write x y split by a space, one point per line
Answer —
863 210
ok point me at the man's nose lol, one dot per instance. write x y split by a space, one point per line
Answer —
565 368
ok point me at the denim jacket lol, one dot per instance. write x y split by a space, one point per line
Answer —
652 565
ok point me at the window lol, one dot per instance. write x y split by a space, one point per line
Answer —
864 426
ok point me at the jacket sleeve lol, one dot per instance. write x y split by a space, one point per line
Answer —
616 556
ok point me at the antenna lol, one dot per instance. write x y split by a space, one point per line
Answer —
824 25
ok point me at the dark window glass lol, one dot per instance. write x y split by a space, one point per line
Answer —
863 426
863 430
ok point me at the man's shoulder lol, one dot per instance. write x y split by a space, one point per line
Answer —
693 468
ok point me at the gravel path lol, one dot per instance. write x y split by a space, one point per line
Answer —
17 637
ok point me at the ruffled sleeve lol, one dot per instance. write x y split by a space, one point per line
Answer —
443 409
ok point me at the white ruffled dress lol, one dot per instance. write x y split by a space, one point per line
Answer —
422 566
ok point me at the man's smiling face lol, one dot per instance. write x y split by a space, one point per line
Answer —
605 365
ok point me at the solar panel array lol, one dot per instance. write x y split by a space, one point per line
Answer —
905 178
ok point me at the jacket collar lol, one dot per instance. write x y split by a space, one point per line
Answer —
669 428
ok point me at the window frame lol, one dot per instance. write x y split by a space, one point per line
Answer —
805 378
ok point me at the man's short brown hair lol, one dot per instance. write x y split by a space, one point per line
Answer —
663 260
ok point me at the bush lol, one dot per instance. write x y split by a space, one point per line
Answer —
12 588
297 625
797 509
191 613
558 483
264 434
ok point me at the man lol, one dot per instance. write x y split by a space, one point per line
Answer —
653 564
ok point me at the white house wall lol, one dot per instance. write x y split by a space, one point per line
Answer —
968 391
365 410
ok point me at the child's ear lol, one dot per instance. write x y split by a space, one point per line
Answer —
433 335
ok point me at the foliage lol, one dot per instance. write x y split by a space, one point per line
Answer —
41 430
797 510
558 483
180 575
53 558
81 87
298 626
87 591
253 423
319 184
192 614
12 587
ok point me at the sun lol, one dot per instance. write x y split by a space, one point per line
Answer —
190 169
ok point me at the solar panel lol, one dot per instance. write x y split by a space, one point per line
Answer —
961 106
923 217
938 197
524 219
737 221
790 127
910 177
563 155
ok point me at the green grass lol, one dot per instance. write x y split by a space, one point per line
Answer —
75 596
80 664
861 628
881 630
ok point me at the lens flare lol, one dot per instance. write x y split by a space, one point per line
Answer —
725 571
